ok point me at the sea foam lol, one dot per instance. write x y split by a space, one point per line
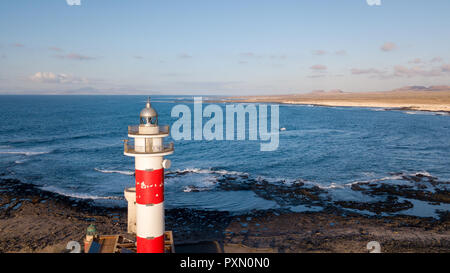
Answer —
115 171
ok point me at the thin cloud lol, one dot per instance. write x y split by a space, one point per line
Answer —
54 48
445 68
75 56
184 56
280 57
319 52
18 45
318 67
208 85
401 71
409 72
389 46
252 55
320 71
436 60
341 52
173 74
138 57
61 78
246 57
416 61
247 54
358 71
316 76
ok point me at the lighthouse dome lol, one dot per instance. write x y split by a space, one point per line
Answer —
148 115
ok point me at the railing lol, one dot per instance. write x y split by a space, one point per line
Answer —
134 130
131 149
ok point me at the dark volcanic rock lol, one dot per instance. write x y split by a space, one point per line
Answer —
390 205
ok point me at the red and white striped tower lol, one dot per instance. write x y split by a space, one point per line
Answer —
149 150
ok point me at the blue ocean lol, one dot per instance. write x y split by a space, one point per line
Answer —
73 145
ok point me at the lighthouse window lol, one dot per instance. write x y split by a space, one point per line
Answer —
149 120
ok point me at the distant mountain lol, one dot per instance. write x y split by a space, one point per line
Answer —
424 88
336 91
333 91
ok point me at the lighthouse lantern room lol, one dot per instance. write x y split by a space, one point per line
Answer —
146 200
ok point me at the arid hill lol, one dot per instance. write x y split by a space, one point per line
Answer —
433 98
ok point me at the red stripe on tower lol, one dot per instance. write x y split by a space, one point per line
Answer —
155 245
149 186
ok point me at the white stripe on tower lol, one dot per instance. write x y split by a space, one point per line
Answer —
151 220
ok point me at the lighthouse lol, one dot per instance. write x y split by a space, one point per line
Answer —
146 200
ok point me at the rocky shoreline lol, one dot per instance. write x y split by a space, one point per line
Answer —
35 220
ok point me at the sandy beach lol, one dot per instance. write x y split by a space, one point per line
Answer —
35 220
436 99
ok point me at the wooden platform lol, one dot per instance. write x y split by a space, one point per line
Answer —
120 244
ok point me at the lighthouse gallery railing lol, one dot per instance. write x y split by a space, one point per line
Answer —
132 149
134 130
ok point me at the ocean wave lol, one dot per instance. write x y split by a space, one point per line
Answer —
242 177
205 171
330 186
424 173
191 188
115 171
378 109
412 112
80 195
56 138
19 161
442 113
426 113
391 177
26 153
395 176
245 176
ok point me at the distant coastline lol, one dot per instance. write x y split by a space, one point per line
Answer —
434 99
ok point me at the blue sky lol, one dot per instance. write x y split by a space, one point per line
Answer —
221 47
